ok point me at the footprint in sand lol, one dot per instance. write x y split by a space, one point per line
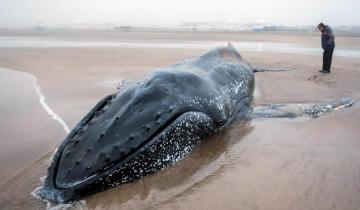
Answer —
321 79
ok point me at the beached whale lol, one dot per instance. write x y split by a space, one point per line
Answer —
155 123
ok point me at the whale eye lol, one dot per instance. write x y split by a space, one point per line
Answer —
131 138
97 113
77 162
101 154
116 147
101 136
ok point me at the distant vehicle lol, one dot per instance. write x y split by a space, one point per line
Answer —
258 28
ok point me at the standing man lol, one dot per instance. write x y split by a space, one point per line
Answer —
328 45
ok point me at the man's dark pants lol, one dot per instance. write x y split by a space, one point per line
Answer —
327 58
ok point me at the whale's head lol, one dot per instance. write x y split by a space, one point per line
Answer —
114 132
184 102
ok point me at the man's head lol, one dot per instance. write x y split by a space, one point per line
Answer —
321 27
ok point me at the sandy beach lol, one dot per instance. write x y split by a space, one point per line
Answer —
259 164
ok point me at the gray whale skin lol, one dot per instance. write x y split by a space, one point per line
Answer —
150 125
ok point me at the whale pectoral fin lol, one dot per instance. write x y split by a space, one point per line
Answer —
298 110
263 69
273 111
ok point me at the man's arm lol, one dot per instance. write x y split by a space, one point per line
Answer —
331 36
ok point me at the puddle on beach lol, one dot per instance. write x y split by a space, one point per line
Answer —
30 42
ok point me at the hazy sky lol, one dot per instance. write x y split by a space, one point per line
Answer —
169 12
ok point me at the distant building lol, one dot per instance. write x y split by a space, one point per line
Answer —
271 28
258 28
254 27
226 26
211 26
123 28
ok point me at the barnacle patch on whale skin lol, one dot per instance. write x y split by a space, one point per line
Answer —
175 142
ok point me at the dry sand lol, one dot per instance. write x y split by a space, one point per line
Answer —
262 164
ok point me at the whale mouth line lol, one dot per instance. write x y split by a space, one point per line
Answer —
102 172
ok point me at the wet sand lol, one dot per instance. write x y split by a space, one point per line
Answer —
262 164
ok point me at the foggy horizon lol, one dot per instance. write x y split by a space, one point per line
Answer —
22 13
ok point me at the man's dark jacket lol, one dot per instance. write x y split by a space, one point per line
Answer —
327 38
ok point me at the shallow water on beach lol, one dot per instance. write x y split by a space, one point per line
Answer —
32 42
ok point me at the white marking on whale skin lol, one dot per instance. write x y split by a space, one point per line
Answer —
46 107
124 83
